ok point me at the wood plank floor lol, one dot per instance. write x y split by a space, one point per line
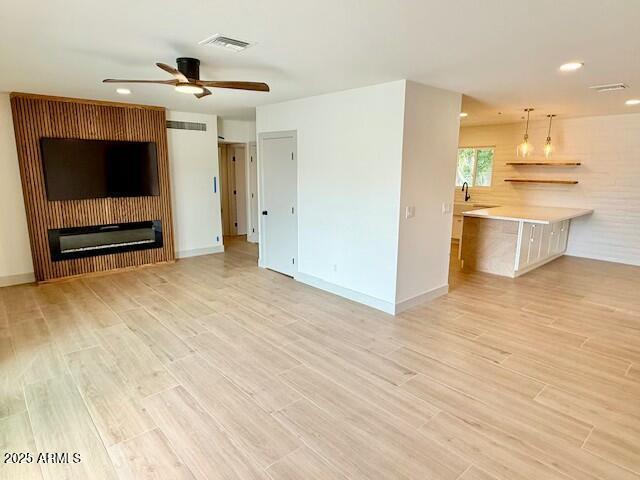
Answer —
211 368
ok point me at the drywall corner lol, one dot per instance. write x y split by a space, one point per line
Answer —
430 144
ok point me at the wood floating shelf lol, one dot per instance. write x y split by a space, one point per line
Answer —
544 164
531 180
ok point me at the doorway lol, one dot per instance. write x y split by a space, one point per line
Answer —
233 190
279 198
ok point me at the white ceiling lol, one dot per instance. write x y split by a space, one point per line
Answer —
502 54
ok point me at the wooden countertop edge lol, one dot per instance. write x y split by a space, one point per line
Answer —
523 218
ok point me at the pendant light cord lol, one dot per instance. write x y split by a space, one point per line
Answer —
549 132
526 132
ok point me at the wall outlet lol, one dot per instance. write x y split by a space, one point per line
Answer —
446 208
410 212
335 267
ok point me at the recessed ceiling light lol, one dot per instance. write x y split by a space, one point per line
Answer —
463 114
571 66
633 101
123 91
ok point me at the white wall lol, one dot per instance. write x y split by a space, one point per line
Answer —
236 131
15 252
349 169
193 161
609 149
431 127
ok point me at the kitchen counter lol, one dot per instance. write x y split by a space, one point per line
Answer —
458 209
532 214
511 241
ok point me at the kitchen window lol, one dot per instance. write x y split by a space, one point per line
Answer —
475 166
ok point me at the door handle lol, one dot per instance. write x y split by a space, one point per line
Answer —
264 212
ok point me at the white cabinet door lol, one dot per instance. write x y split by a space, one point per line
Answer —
563 236
535 243
531 250
546 246
540 242
556 241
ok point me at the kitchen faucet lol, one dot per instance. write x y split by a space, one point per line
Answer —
465 185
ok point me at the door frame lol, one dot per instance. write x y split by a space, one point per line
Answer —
251 164
262 251
240 184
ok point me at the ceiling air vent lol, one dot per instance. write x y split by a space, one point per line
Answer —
610 87
218 40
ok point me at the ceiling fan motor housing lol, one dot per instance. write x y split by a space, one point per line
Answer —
190 67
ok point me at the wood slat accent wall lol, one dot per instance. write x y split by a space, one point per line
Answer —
36 116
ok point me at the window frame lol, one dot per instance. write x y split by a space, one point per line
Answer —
475 148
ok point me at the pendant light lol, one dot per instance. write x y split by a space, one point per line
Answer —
525 148
548 147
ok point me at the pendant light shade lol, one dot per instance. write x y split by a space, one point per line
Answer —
525 148
548 146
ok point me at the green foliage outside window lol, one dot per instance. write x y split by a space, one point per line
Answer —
475 166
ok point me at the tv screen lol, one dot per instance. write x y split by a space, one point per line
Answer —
78 169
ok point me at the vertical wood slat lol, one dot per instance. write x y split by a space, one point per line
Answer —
37 116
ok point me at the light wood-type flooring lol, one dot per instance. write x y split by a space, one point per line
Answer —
211 368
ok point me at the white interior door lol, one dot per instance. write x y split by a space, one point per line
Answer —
279 225
252 232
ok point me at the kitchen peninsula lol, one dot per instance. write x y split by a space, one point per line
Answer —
511 241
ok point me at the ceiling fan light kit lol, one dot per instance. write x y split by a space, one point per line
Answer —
186 79
189 88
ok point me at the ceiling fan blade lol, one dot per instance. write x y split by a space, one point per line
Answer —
203 94
257 86
173 71
161 82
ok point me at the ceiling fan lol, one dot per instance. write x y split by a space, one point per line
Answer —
187 79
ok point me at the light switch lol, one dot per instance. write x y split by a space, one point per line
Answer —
409 212
446 208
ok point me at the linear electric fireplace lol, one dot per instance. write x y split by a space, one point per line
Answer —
79 242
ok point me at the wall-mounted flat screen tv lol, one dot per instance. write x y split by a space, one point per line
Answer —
77 169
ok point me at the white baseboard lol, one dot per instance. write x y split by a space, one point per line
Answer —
373 302
17 279
421 298
200 251
604 258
